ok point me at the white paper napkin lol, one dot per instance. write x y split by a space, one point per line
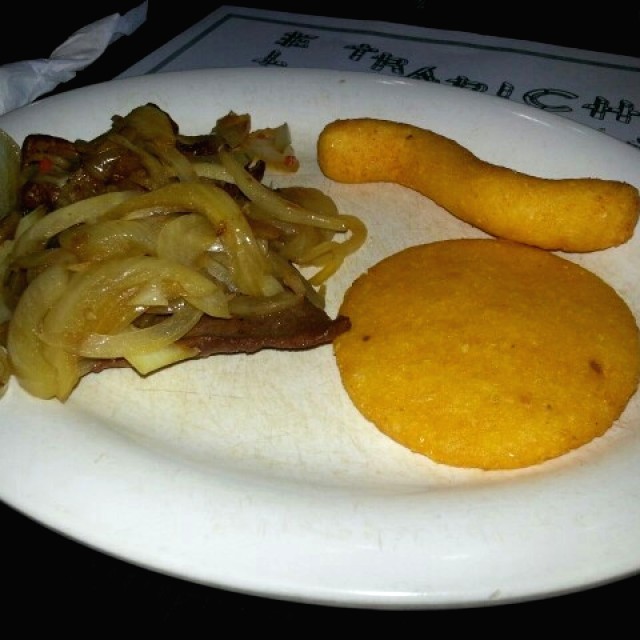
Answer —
22 82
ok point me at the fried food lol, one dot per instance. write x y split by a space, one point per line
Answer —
487 354
575 215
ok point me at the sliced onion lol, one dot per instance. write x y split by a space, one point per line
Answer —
32 367
259 306
271 201
248 265
127 274
274 147
212 170
111 238
133 342
89 210
95 297
145 363
186 238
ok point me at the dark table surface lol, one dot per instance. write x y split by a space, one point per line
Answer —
52 579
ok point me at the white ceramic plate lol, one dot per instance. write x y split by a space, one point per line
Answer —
255 473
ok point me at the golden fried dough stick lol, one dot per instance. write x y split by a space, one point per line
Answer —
575 215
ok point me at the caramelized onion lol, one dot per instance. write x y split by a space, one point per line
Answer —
132 341
32 368
177 229
84 211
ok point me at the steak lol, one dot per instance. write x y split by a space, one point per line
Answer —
303 326
57 172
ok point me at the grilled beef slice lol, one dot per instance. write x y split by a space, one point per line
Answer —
300 327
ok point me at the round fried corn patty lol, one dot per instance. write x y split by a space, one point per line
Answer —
486 353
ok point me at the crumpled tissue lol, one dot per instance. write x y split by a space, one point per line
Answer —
22 82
